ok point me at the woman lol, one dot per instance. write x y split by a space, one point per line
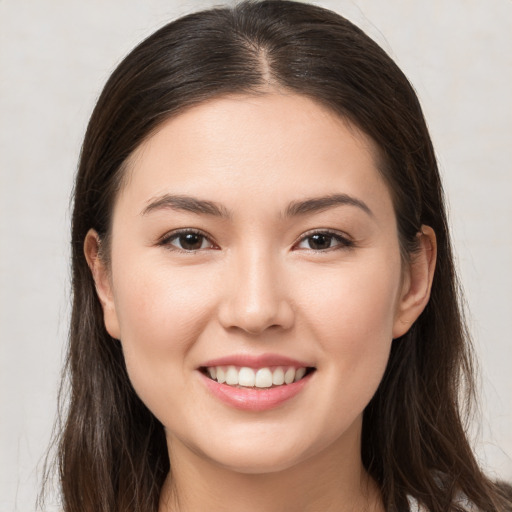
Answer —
265 307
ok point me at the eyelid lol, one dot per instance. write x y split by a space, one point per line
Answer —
169 236
346 242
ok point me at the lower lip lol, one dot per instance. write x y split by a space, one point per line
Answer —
255 399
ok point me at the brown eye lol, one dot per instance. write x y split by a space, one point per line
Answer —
188 241
320 241
323 241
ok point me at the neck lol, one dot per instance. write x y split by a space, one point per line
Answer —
328 481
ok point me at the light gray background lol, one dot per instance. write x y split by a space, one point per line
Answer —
55 55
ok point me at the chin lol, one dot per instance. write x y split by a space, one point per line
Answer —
257 463
270 453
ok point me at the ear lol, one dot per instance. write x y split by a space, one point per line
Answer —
103 282
417 282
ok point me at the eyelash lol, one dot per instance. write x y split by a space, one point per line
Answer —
175 235
343 242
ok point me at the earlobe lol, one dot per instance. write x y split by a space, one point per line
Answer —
102 281
417 282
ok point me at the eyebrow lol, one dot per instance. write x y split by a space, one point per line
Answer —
318 204
185 203
295 208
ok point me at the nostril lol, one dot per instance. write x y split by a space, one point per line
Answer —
255 305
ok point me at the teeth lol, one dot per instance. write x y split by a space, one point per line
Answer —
289 376
261 378
278 377
299 374
246 377
221 375
232 376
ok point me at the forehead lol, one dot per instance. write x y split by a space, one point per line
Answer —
274 146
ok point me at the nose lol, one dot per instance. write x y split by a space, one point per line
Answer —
255 295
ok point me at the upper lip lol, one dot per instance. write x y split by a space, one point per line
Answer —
259 361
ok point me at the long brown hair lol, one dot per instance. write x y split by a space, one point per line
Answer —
112 450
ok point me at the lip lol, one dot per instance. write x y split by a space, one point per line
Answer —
254 399
260 361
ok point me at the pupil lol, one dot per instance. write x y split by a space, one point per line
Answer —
320 241
191 241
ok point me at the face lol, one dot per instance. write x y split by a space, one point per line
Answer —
255 281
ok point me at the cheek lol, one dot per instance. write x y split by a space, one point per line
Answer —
157 310
358 299
352 318
161 314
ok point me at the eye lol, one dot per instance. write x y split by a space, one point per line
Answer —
187 240
324 240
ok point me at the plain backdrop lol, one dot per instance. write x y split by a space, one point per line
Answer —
55 56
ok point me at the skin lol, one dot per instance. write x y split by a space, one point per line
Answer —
255 286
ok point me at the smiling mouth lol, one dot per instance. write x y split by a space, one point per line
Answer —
262 378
